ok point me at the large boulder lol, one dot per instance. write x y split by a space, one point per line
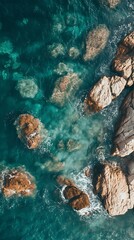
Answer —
123 62
30 130
104 91
77 198
113 189
18 182
124 137
65 87
96 42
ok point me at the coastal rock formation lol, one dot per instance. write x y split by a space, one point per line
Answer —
111 3
65 181
113 189
18 182
29 130
96 42
123 62
124 138
105 90
64 88
77 198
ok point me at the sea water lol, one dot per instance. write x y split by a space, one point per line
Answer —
35 42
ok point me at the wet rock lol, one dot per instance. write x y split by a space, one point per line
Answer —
113 189
65 181
27 88
96 42
77 198
18 182
123 62
30 130
105 90
73 145
130 167
124 137
65 87
111 3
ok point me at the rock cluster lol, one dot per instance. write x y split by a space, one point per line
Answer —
96 42
29 130
64 88
124 138
18 182
108 88
77 198
114 190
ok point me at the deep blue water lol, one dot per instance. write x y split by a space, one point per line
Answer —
29 30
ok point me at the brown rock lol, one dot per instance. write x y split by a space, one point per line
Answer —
29 130
96 42
65 87
71 192
65 181
113 189
105 90
124 138
18 182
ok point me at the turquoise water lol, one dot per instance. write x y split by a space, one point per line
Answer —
29 31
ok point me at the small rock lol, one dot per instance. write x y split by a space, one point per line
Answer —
65 181
111 3
27 88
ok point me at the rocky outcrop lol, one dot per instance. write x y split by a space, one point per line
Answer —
30 130
96 42
105 90
77 198
123 62
111 3
113 189
124 138
65 181
65 87
17 182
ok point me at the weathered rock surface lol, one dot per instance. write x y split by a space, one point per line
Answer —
96 42
105 90
18 182
77 198
65 181
29 130
124 138
111 3
112 186
123 62
65 87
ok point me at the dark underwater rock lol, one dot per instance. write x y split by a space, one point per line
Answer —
18 182
124 137
29 130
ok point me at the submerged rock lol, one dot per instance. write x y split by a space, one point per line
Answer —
124 138
30 130
56 50
52 166
65 87
96 41
77 198
74 52
105 90
123 62
111 3
113 189
18 182
27 88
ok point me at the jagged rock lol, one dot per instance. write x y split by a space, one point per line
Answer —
123 62
18 182
111 3
96 42
64 88
77 198
102 94
113 189
65 181
124 138
30 130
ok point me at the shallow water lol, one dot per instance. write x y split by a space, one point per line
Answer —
28 32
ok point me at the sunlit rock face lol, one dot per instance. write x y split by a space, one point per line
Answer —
124 59
77 198
27 88
96 42
124 137
113 189
105 90
65 87
18 182
30 130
